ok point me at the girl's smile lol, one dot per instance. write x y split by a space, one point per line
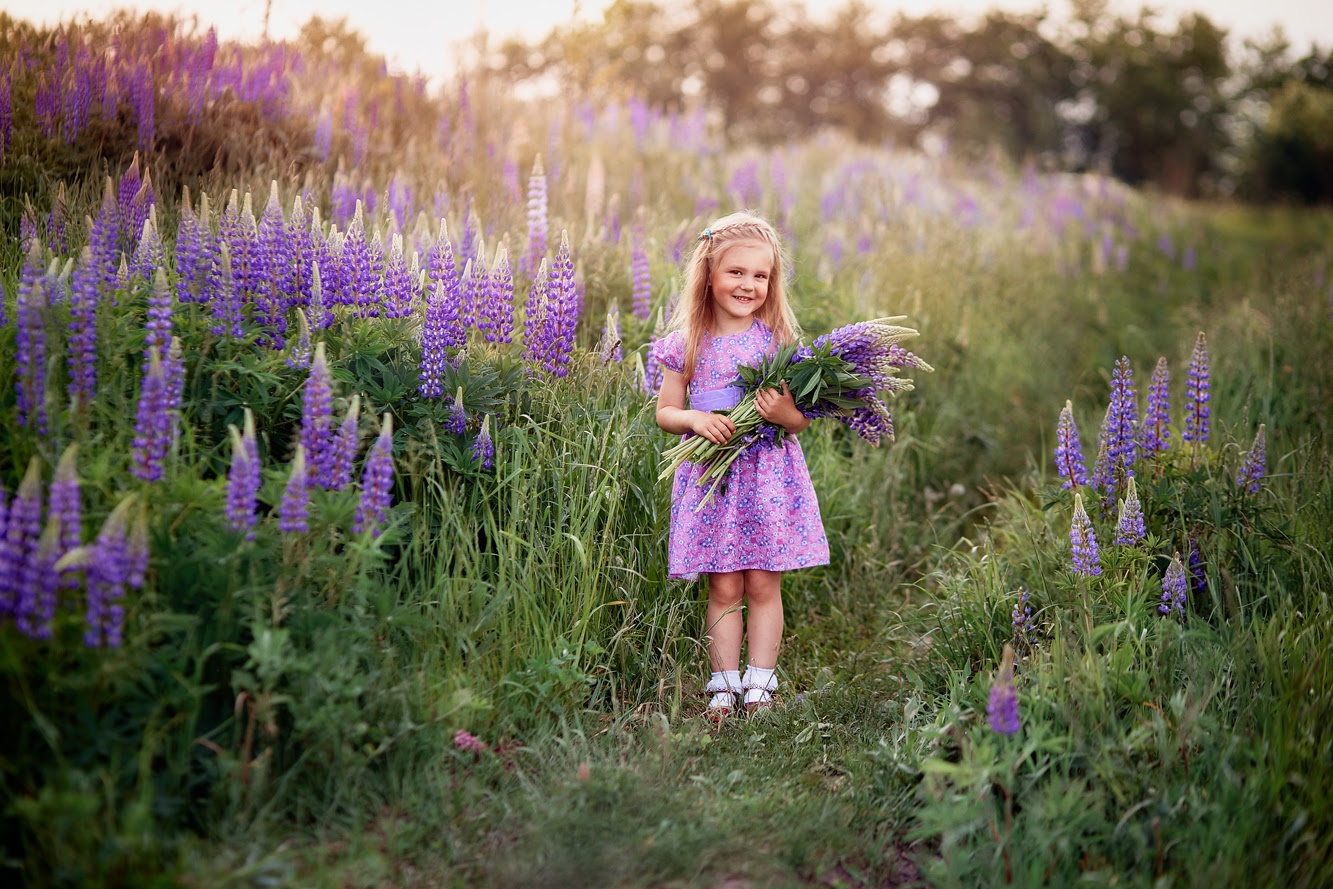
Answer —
739 284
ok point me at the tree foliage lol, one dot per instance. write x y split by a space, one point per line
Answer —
1161 102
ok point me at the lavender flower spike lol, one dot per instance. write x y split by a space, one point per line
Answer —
376 481
1254 466
1069 463
1130 528
66 506
1197 394
1002 708
1174 588
1083 541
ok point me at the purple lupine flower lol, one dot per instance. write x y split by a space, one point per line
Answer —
320 317
641 282
537 209
457 422
472 289
376 481
483 447
47 104
1069 463
344 446
1130 528
135 211
1122 437
1174 588
398 287
190 277
1255 464
317 430
434 341
565 299
301 347
652 368
30 319
243 478
1002 706
55 221
23 532
158 323
360 277
149 254
300 239
6 113
107 566
81 346
1197 394
275 275
498 300
45 581
609 348
294 510
228 298
154 424
143 92
443 286
537 330
1156 431
66 508
1083 541
1022 615
104 237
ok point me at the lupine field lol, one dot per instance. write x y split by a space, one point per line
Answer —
333 551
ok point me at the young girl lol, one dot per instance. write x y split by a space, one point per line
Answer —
734 311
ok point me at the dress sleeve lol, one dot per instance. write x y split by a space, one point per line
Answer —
670 351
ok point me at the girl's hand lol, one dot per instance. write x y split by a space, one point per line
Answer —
779 408
717 428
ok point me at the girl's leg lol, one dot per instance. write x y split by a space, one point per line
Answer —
725 626
763 596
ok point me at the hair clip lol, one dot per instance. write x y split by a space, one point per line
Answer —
707 235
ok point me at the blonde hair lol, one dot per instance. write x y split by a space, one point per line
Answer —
694 314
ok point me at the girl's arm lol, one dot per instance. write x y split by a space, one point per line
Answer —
673 417
779 408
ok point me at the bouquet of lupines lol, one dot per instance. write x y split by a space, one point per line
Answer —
843 374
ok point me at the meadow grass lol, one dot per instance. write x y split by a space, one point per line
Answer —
284 709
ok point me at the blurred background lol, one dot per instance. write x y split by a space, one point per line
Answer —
1217 99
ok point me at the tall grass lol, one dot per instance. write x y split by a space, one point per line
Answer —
284 708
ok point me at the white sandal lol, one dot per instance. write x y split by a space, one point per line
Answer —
716 711
764 699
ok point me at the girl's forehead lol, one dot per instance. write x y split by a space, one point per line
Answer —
749 249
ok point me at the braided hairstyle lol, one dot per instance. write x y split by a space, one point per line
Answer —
695 313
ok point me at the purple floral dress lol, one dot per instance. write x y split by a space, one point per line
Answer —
767 517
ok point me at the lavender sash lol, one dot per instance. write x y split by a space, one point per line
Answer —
723 399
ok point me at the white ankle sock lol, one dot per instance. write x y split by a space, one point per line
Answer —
758 683
728 679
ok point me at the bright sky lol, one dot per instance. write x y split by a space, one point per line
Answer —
426 35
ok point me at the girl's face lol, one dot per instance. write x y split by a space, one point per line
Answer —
739 283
